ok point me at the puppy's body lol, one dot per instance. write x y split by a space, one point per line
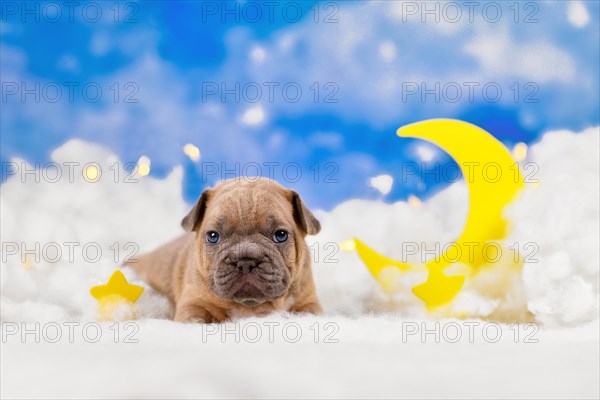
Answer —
249 270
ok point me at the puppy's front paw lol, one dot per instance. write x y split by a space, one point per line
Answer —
311 308
192 313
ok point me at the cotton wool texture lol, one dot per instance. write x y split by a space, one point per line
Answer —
558 285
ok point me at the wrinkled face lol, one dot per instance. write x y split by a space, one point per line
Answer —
249 244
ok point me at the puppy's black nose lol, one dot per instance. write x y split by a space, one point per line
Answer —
246 265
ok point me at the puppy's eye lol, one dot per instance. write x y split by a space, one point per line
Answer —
212 237
280 236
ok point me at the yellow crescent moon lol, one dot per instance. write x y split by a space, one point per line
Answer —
493 179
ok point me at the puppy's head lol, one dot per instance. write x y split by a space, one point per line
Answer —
251 239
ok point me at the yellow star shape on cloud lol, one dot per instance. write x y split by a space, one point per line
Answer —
439 288
117 287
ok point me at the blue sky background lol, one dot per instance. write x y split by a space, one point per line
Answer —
366 56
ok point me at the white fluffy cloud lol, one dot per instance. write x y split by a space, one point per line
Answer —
577 13
560 216
557 223
378 52
56 213
538 61
253 116
383 183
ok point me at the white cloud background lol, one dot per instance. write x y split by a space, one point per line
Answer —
561 291
559 284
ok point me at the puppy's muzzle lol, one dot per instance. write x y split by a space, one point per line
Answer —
250 274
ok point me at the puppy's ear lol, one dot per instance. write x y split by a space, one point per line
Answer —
303 217
192 221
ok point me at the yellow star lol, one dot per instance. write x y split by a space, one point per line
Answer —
439 288
117 287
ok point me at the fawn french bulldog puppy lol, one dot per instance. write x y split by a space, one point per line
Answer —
245 254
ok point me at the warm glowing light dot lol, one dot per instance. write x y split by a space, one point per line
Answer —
143 166
193 152
144 169
91 173
520 151
348 245
414 201
27 264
